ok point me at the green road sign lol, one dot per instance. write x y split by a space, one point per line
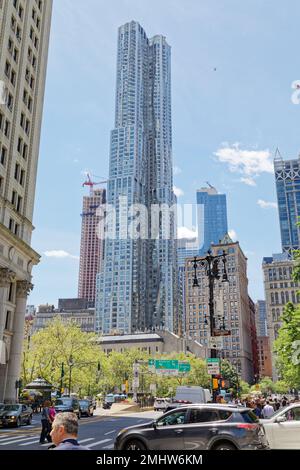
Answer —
184 367
151 362
212 360
166 364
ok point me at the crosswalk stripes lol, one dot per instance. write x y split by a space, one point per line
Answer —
31 442
25 440
7 438
99 442
10 441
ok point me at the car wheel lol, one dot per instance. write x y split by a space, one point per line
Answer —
29 420
134 444
224 446
18 422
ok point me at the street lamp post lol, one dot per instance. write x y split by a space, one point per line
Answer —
71 364
212 270
62 373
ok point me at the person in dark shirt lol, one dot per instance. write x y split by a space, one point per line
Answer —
46 423
65 432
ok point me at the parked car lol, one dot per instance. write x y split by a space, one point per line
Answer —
68 404
110 398
106 405
86 408
161 404
197 427
15 415
283 428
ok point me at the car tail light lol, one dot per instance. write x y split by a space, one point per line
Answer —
248 426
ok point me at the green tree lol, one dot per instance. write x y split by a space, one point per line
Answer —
229 372
287 346
281 387
65 343
267 386
244 387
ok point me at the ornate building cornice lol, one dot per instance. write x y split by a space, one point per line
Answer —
6 277
23 288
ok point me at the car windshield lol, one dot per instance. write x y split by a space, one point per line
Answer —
83 402
62 401
11 407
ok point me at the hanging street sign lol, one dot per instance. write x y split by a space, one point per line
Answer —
215 342
213 366
221 332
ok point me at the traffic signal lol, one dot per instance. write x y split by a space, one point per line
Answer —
215 384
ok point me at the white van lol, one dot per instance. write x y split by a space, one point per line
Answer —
190 394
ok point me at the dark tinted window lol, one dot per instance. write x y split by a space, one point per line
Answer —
249 417
177 417
224 415
203 416
11 408
62 401
293 414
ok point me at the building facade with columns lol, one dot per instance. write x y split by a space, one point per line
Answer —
24 39
280 288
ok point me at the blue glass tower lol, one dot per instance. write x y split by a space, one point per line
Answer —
287 176
136 288
212 217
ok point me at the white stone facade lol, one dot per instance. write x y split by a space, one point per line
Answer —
24 39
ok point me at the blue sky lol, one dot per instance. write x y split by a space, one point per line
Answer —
233 64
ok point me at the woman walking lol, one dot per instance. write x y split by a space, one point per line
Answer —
46 423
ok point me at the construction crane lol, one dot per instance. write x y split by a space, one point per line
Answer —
89 182
208 184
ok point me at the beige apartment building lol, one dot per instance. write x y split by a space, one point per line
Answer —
24 39
280 288
231 306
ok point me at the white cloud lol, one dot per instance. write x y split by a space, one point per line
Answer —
249 163
249 253
248 181
177 191
59 254
233 235
184 232
176 170
267 205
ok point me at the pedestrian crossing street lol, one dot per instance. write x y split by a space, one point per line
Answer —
23 441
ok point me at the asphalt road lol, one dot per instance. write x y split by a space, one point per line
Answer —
97 432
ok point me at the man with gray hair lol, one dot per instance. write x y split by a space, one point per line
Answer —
65 432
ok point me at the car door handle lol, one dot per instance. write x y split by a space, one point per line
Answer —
178 431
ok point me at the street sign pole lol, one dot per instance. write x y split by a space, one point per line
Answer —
135 383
